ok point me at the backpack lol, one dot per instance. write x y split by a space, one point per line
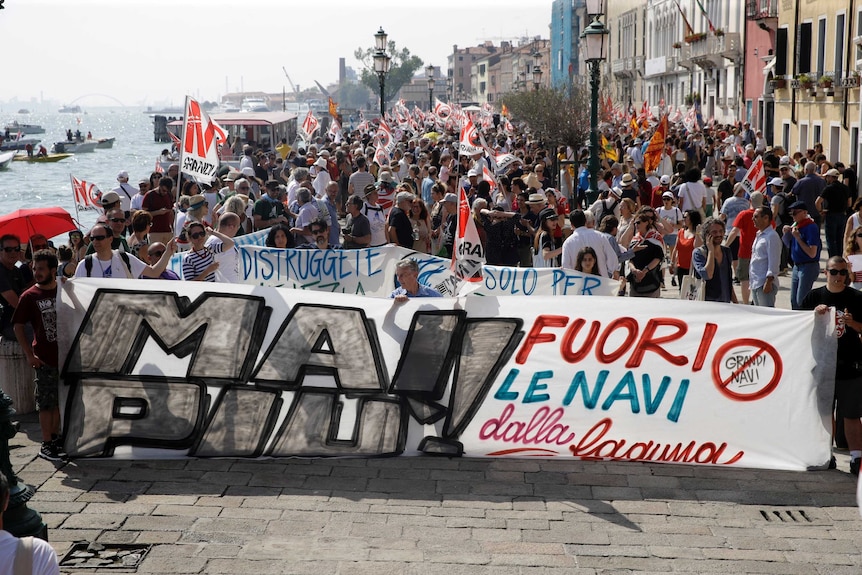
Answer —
788 198
88 262
605 210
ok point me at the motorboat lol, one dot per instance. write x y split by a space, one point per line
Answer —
70 110
254 105
37 159
6 159
15 143
105 143
75 147
16 127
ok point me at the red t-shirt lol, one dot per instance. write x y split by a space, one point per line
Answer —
36 306
745 222
155 200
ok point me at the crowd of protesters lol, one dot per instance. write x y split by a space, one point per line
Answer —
686 218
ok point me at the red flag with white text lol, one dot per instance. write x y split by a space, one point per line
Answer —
469 254
309 126
755 177
199 148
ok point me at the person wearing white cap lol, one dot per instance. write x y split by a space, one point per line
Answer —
832 205
322 178
126 191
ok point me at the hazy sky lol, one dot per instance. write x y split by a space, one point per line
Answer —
144 52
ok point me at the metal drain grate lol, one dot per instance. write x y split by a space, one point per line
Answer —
84 555
785 516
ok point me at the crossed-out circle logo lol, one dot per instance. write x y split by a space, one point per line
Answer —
746 369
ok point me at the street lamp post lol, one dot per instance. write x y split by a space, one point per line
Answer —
596 48
381 65
429 73
537 77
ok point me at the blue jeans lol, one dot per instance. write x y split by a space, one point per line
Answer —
764 299
834 229
801 280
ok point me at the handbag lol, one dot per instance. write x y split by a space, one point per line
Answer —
693 288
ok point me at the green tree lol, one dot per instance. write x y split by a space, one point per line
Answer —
556 116
354 96
402 65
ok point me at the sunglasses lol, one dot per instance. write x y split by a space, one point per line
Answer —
156 254
97 238
10 249
834 272
197 235
118 220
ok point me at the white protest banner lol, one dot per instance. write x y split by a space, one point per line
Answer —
319 374
371 272
199 149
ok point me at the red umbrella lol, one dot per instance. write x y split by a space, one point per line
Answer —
28 222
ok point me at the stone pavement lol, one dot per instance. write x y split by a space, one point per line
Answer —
416 516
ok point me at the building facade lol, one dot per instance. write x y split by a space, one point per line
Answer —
815 78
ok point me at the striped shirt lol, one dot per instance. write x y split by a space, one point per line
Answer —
195 262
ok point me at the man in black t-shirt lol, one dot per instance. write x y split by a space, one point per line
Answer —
400 228
847 303
13 281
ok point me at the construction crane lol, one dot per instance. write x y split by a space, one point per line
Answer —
292 85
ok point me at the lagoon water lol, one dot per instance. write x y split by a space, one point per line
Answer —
26 185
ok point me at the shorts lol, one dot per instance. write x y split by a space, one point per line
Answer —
734 248
742 269
47 387
848 393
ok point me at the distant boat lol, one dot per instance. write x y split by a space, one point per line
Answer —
6 159
23 111
18 144
254 105
70 110
15 127
41 159
75 147
105 143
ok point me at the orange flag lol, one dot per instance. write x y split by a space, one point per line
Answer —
653 152
333 108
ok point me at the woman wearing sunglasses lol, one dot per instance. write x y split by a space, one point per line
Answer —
199 262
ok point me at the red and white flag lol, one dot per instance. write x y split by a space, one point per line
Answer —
469 142
309 126
87 196
384 137
469 254
488 177
335 131
199 149
755 177
441 110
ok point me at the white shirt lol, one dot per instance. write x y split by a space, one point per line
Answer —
228 261
377 219
586 237
44 557
137 202
126 193
319 183
115 268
